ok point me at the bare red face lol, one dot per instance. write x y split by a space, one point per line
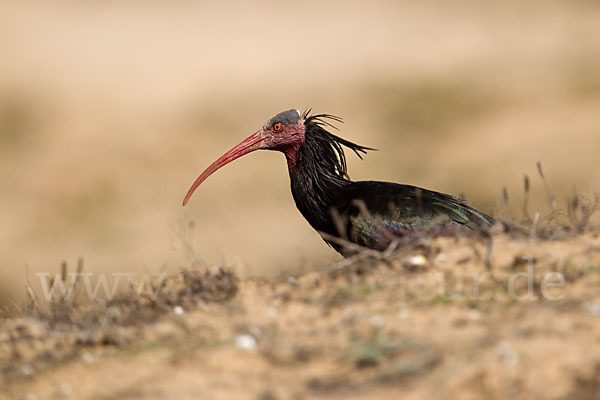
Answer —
282 137
284 132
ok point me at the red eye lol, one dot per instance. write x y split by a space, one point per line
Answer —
277 127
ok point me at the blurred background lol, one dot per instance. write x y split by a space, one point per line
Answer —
110 109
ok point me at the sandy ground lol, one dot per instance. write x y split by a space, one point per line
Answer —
519 319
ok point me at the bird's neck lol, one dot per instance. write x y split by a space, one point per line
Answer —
315 187
291 156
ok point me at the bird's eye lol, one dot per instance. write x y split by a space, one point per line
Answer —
277 127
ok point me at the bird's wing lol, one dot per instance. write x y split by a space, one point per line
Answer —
381 211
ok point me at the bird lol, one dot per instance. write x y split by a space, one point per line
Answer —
348 214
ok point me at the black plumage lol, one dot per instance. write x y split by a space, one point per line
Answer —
369 213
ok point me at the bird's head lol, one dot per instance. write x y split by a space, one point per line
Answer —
284 132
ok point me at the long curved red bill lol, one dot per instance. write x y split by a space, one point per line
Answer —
248 145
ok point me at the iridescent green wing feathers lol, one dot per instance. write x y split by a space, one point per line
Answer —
382 212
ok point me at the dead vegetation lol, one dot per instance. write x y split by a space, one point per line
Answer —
46 332
574 218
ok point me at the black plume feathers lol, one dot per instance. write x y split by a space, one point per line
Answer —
327 147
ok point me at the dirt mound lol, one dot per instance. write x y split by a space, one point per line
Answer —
499 317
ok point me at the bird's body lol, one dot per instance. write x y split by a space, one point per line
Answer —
370 214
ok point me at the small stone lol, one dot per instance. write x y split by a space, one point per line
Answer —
474 314
377 321
502 346
27 369
65 388
178 310
245 342
272 311
509 356
594 310
402 313
417 261
88 357
256 331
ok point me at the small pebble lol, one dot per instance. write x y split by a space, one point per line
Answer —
292 281
256 331
502 346
417 261
27 369
65 389
377 321
402 313
88 357
509 356
245 342
272 311
474 314
594 310
178 310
